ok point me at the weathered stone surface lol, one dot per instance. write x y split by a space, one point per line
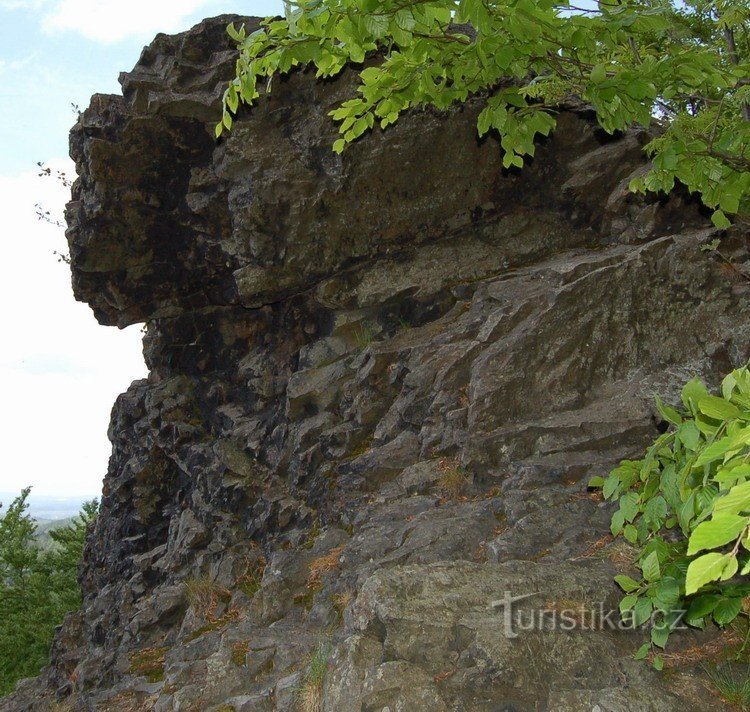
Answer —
378 386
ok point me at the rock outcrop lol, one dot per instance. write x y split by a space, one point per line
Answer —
379 384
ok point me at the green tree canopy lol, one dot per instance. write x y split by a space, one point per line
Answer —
681 65
37 587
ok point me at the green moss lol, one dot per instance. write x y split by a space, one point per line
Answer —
213 624
312 535
148 663
307 597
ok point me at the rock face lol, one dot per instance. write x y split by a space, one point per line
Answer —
379 384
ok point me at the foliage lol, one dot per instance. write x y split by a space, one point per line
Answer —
37 587
681 64
686 507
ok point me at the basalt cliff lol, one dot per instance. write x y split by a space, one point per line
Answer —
379 384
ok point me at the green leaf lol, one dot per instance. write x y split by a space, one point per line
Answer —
658 663
727 610
701 606
339 145
626 583
720 220
660 634
598 74
627 603
718 408
714 452
642 611
617 523
722 528
703 570
650 567
643 651
692 392
689 435
611 485
736 500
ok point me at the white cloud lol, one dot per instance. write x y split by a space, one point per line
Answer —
114 20
60 372
21 4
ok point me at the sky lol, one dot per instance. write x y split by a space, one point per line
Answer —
60 371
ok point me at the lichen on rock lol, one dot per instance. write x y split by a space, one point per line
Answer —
327 337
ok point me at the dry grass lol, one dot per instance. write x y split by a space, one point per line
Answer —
215 623
250 581
310 698
342 600
594 550
239 652
310 693
324 564
204 596
453 480
712 650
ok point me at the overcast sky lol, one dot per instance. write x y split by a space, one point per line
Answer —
59 370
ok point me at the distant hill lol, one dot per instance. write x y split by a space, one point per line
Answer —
44 526
48 508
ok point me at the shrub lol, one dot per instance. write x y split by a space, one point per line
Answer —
686 508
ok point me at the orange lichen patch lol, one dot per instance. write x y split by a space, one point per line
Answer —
480 553
443 676
323 565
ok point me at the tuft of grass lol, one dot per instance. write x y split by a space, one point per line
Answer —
250 581
453 480
323 565
363 336
732 684
403 324
342 600
204 595
239 652
310 693
148 663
